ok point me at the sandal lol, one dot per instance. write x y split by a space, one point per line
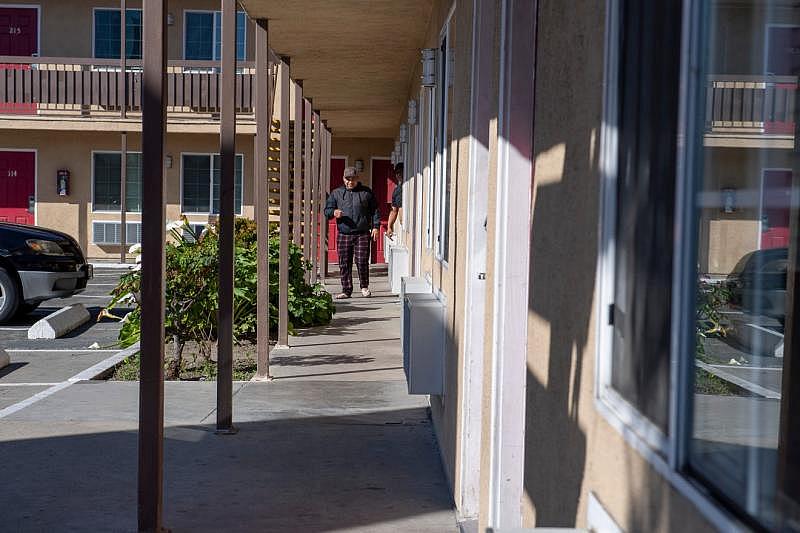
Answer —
342 296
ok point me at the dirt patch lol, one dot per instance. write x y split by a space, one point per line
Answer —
198 363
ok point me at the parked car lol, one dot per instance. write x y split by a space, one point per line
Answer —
37 264
757 283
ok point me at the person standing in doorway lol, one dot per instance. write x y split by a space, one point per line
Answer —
397 200
358 223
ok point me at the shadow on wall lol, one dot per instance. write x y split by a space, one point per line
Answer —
562 274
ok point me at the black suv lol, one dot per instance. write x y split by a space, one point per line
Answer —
758 283
37 264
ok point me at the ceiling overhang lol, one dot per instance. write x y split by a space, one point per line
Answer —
355 58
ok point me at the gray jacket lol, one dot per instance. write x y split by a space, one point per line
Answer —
359 209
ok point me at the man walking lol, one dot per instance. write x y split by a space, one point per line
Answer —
357 221
397 200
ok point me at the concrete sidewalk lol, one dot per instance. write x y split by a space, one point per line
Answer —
333 444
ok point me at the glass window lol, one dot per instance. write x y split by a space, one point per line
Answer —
201 183
203 38
647 118
745 435
107 172
107 33
444 142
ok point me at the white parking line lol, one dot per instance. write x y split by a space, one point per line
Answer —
14 328
61 350
87 374
27 384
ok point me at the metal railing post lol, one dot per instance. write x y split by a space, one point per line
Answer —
307 180
297 170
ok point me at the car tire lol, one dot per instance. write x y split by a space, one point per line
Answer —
9 296
26 309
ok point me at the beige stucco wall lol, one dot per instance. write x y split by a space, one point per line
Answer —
66 25
365 149
725 237
570 449
74 213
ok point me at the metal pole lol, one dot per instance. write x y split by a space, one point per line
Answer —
307 183
151 384
263 99
297 171
326 189
321 221
227 151
283 254
317 143
122 85
123 197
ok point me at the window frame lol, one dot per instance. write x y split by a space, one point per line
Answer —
107 211
666 454
94 29
211 156
216 16
441 155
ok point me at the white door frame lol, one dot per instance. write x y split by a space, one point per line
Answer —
511 265
483 24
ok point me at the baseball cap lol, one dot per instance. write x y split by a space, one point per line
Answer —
350 172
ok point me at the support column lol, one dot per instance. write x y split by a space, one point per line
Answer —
307 180
151 384
122 97
297 171
325 189
227 152
123 197
315 199
263 111
283 255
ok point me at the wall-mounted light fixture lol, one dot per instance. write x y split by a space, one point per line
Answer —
168 161
428 67
728 200
359 165
412 112
170 19
403 133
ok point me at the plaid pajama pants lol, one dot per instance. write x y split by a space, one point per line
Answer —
350 246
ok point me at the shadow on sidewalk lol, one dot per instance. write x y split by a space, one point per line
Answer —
376 471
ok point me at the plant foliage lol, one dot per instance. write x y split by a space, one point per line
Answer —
192 288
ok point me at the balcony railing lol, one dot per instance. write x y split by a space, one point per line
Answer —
751 104
91 87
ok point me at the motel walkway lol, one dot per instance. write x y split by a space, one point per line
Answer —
334 443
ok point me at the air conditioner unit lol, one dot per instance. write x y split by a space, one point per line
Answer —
423 343
397 260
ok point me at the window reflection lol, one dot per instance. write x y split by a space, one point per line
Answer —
746 239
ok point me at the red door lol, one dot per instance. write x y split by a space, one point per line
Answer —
19 36
382 186
775 203
337 175
17 177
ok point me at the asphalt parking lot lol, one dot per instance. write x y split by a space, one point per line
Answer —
38 365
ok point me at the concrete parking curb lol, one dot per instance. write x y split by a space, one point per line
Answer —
5 360
60 322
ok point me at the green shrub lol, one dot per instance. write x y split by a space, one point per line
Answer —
191 289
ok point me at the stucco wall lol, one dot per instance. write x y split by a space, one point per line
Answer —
570 448
361 148
66 25
726 237
74 213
